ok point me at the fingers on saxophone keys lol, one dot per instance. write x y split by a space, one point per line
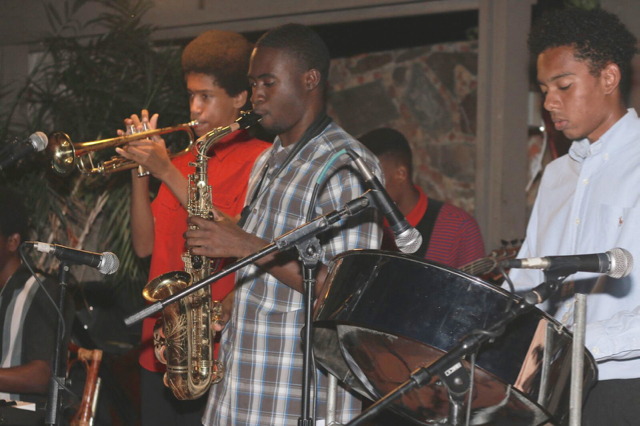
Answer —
199 222
195 243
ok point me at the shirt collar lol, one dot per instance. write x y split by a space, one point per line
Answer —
227 145
613 139
279 153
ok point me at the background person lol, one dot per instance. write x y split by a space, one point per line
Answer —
28 319
450 235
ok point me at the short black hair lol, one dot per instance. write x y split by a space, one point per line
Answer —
13 214
304 44
222 55
390 142
595 35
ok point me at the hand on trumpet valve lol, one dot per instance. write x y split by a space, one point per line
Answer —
150 154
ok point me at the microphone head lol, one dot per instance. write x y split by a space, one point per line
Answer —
409 240
109 263
39 141
621 262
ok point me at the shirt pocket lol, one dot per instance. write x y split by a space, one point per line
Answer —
224 202
170 217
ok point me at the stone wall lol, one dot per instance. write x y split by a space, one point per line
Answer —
427 93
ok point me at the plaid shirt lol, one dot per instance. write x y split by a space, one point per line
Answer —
261 346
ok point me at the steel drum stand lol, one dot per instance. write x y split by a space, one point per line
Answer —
450 366
457 381
577 360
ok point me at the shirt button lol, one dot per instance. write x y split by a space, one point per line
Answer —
567 305
585 182
578 221
595 350
606 157
255 211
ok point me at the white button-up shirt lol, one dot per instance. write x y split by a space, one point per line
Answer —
589 202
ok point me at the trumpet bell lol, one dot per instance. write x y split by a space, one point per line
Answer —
62 152
166 285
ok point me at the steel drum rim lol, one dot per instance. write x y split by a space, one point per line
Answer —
557 324
384 256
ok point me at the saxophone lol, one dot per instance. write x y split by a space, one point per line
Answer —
183 337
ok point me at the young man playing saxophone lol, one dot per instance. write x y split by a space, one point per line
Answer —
261 346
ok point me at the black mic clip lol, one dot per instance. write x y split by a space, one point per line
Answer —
310 229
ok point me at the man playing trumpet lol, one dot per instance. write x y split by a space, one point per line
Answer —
215 67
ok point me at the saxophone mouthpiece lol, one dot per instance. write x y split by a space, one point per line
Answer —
247 119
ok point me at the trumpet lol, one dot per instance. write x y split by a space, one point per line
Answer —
66 154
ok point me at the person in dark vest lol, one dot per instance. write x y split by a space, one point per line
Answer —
28 318
449 235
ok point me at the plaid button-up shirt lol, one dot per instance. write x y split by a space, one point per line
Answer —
261 346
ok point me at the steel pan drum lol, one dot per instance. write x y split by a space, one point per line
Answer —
383 314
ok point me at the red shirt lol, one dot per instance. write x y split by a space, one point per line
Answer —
229 167
456 239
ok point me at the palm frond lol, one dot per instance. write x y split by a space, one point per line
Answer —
85 87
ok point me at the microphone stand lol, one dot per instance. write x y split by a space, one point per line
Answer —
449 366
58 374
310 252
283 242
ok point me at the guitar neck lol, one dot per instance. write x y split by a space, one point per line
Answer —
485 266
480 267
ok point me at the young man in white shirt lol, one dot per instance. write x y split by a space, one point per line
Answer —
588 200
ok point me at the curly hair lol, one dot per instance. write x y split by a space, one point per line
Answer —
596 36
223 55
302 43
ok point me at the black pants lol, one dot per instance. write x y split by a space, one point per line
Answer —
160 407
613 402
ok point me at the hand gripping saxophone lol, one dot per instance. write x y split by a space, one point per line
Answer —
183 338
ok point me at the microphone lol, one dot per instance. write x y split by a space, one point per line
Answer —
408 239
107 263
616 263
36 143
